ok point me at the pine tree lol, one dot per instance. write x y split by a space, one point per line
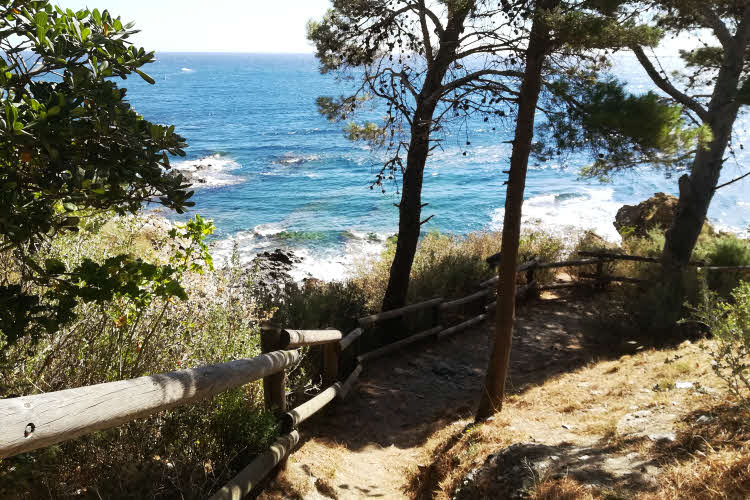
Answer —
597 115
430 66
712 89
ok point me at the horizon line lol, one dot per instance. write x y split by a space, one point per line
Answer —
234 52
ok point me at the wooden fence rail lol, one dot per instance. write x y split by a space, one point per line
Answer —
32 422
291 339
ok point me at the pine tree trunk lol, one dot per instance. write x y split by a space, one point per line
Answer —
410 208
494 386
696 193
697 189
410 213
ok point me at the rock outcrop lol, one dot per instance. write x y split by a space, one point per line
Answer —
513 472
271 270
637 220
655 213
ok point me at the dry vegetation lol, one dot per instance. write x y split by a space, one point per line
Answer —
191 451
709 459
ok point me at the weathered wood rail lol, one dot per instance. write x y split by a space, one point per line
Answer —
31 422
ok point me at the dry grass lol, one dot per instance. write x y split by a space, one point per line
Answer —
562 489
722 474
585 406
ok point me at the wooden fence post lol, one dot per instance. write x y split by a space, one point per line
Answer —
330 363
436 314
600 273
274 386
530 279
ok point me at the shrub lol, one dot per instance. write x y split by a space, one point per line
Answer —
543 246
192 449
727 250
729 323
591 242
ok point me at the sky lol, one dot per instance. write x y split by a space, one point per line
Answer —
215 25
233 25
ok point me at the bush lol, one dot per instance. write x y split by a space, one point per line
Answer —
591 242
656 307
729 323
192 449
727 250
452 266
543 246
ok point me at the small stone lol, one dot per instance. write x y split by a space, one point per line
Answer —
668 437
704 419
566 426
683 385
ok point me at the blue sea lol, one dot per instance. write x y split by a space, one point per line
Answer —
277 174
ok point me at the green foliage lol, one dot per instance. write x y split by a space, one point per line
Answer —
121 277
580 30
70 147
729 323
369 132
653 307
591 242
619 129
319 305
703 57
727 250
192 449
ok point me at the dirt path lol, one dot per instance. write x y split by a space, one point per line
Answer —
371 446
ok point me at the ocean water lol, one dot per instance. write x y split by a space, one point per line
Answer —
277 174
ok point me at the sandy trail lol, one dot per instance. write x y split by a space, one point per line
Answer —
372 445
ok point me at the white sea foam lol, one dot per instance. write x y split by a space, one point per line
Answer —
592 209
335 264
268 229
292 159
331 264
211 171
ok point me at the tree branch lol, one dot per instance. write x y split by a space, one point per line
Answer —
473 76
732 181
717 26
426 220
434 18
425 32
667 87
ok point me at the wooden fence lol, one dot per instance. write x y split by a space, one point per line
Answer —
31 422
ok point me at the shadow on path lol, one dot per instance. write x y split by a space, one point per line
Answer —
363 447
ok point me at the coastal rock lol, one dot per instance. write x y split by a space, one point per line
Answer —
271 270
656 212
513 472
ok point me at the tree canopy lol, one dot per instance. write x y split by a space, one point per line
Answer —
72 146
